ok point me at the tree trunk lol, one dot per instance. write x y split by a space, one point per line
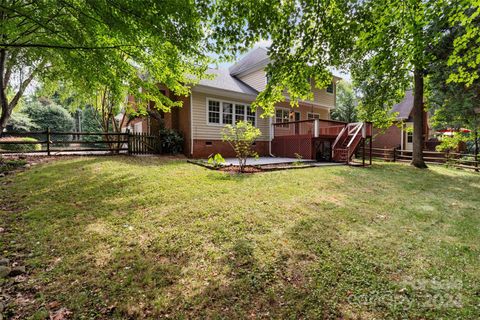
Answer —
417 113
4 112
4 118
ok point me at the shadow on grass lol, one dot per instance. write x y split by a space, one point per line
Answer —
142 271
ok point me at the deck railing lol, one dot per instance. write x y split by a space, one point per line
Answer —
311 127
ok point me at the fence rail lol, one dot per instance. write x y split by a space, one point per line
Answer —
454 159
67 142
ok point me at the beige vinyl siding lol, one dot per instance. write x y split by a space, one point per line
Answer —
203 130
322 97
305 109
256 79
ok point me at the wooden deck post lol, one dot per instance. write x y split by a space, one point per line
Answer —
363 151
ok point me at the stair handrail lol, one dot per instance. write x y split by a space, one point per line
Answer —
359 126
339 137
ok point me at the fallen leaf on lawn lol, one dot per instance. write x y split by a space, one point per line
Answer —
53 305
61 314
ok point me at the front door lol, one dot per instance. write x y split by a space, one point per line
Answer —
408 138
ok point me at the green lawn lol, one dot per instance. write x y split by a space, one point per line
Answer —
118 237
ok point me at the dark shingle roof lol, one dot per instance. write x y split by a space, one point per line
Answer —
404 108
224 81
255 57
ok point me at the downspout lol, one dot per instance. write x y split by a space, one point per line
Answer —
270 127
191 124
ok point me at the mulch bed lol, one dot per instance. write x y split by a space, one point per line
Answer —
254 169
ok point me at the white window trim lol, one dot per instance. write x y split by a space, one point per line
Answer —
315 114
221 124
283 109
331 93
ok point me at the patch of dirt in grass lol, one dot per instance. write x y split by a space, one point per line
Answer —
235 169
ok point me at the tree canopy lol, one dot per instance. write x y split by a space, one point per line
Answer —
115 45
346 104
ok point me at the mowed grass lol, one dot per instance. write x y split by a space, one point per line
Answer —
119 237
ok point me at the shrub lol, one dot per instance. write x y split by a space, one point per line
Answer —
50 116
451 143
171 141
20 147
20 122
241 137
216 161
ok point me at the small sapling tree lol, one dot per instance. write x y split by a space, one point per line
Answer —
241 137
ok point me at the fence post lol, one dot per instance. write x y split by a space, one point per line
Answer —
129 142
394 154
48 141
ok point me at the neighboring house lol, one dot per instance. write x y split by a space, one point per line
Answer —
400 134
226 99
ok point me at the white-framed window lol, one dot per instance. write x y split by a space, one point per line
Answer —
239 112
313 115
282 115
227 112
251 116
330 88
213 111
410 136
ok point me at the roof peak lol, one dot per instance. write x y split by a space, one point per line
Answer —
258 56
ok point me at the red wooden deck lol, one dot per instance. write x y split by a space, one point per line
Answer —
308 138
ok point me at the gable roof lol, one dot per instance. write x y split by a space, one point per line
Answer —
404 107
256 57
224 81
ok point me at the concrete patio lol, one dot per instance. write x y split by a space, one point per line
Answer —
274 160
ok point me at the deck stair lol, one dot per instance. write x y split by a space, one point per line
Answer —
348 141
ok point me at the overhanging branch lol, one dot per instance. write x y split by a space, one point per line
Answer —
66 47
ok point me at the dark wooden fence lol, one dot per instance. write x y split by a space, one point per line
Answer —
454 159
56 142
142 143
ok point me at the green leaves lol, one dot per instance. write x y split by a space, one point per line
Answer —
466 54
241 137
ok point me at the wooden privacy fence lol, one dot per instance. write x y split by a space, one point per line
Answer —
55 142
142 143
454 159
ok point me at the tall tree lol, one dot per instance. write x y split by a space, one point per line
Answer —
384 41
105 43
346 105
392 54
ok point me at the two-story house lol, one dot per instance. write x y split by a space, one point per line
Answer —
226 99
